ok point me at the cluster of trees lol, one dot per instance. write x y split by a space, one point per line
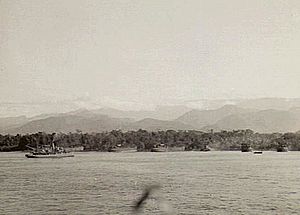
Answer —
146 140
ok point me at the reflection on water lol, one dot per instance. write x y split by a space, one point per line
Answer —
191 183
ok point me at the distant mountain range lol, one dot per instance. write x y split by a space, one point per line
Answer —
265 121
284 117
201 118
12 122
160 113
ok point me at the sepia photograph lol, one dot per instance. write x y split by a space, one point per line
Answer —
164 107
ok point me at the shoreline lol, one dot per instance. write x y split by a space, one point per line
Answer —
196 151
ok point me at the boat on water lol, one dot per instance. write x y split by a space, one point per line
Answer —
246 147
56 155
48 152
159 148
281 146
201 148
121 149
282 149
205 149
257 152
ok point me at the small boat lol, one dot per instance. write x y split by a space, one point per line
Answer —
159 148
246 147
257 152
205 149
122 149
282 149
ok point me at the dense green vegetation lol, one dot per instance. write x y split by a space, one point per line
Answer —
145 140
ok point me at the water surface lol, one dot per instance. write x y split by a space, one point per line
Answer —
192 183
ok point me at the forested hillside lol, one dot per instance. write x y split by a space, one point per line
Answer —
145 140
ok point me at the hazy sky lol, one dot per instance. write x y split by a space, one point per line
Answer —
148 51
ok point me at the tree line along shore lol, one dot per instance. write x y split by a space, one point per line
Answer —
145 141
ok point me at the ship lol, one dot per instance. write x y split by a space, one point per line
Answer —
246 147
282 149
200 148
159 148
47 151
121 148
205 148
281 146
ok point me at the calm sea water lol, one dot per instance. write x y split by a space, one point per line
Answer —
191 183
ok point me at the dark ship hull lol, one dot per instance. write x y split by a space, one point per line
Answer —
122 150
62 155
246 148
159 149
257 152
282 149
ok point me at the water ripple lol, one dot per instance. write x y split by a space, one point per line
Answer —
192 183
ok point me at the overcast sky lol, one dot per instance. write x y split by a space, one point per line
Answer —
148 51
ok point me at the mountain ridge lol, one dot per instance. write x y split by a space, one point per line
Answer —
227 117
